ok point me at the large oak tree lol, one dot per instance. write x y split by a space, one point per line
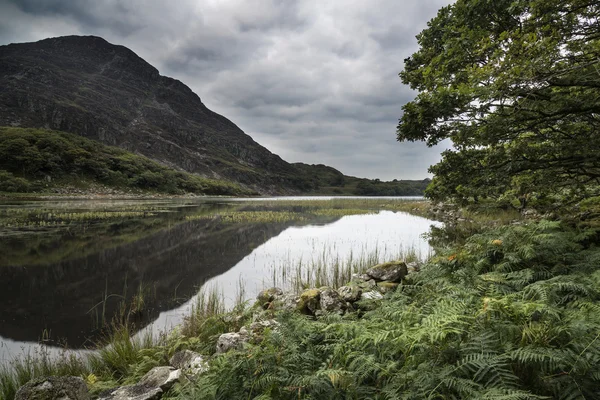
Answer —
515 85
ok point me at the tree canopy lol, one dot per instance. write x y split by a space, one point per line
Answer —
515 85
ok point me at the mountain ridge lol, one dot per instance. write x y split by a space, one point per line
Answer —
105 92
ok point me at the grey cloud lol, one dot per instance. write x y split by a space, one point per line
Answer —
312 81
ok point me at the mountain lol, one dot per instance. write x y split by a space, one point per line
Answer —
104 92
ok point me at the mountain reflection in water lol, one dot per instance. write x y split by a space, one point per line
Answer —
171 259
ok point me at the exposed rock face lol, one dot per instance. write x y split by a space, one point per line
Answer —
87 86
54 388
393 271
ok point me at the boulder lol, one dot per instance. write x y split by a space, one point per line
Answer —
54 388
387 286
162 377
372 295
190 362
393 271
331 301
265 297
287 302
309 301
360 277
350 294
231 340
412 267
132 392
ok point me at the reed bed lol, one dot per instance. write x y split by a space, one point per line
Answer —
252 216
330 269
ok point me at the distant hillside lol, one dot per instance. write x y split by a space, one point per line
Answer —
105 92
322 179
89 87
39 160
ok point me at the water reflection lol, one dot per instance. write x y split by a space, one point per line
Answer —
65 282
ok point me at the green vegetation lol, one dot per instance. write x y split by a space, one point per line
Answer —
328 269
324 180
514 86
36 160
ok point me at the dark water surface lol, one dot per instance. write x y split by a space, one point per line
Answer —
67 268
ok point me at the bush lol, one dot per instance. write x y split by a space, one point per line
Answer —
11 183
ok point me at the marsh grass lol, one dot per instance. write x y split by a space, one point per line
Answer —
330 269
252 216
38 364
42 218
210 317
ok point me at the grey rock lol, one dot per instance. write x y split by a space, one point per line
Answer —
132 392
190 362
360 277
331 301
386 287
372 295
287 302
54 388
393 271
230 341
309 301
162 377
350 293
268 295
412 267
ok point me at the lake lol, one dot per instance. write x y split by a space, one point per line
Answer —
68 268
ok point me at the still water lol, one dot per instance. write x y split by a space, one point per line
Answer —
67 267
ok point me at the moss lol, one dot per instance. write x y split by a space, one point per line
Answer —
309 301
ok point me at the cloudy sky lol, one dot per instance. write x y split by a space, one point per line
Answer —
312 80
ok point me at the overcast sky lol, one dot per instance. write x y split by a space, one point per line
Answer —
312 80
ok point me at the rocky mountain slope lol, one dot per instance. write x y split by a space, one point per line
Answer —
105 92
87 86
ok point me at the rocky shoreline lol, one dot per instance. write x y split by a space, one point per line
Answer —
362 293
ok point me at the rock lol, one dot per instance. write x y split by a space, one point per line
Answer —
412 267
372 295
258 327
190 362
369 284
386 286
360 277
350 293
393 271
54 388
331 301
229 341
162 377
132 392
309 301
286 302
268 295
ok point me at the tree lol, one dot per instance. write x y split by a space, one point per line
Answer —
515 85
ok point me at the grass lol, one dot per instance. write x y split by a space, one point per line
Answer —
123 358
329 269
